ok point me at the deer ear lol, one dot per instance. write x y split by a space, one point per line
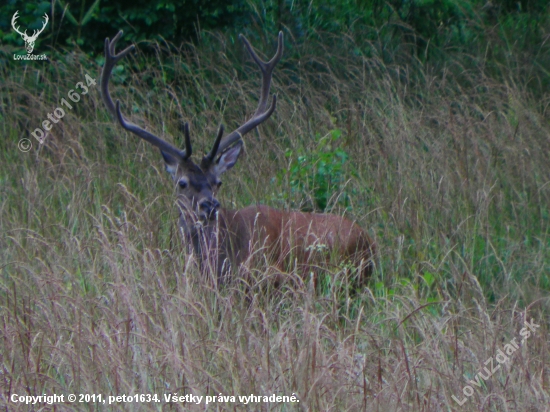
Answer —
171 163
228 158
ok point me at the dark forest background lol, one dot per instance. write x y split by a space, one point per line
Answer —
499 34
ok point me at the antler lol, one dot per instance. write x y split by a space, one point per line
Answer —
13 21
37 32
111 58
261 114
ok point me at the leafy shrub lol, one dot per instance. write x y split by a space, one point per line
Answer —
317 178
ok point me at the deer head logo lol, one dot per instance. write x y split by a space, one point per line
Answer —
29 40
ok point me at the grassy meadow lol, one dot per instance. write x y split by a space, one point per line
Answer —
447 168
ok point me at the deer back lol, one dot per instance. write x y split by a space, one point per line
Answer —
284 237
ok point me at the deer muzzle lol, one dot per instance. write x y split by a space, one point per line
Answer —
208 209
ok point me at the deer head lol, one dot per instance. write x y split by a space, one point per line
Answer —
197 183
29 40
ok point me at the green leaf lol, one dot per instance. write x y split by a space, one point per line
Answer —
429 278
67 13
336 133
89 14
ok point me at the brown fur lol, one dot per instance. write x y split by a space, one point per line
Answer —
310 239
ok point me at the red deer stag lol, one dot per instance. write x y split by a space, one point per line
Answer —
224 239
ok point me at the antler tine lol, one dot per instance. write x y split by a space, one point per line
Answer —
111 58
266 68
14 21
188 148
209 158
261 114
37 32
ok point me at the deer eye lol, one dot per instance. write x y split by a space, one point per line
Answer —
182 183
218 183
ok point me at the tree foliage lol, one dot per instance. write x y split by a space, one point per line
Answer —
494 34
88 22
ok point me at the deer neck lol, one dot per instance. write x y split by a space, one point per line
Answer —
204 239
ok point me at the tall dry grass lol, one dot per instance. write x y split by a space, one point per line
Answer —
448 171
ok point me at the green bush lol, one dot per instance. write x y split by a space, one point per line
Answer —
317 179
